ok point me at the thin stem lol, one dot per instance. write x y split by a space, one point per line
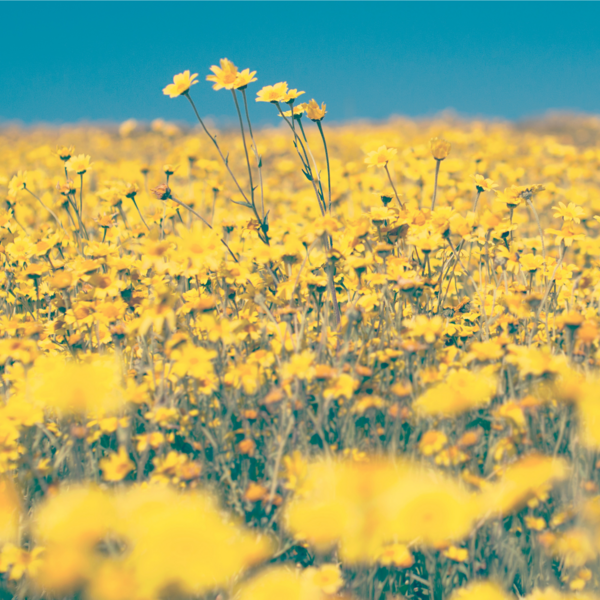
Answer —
327 161
122 213
537 219
192 211
237 107
48 209
305 161
393 186
140 213
470 278
214 141
73 201
546 293
435 185
81 194
263 234
258 157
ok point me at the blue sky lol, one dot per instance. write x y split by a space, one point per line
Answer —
71 61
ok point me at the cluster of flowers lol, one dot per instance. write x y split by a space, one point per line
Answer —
365 366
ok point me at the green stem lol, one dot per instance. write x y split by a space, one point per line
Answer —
327 161
437 171
237 107
258 157
262 233
140 213
393 186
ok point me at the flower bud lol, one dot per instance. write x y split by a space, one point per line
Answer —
440 148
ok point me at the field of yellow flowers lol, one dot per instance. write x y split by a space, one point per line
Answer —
303 362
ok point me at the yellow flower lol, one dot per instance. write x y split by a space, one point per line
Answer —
280 583
342 387
435 510
480 590
535 523
244 78
327 578
9 511
398 555
429 329
182 82
17 183
484 185
273 93
440 148
296 470
457 554
291 95
116 466
380 157
80 164
64 152
432 442
20 562
365 505
298 111
521 481
531 262
510 196
210 547
365 403
224 76
463 390
71 387
313 112
300 365
572 212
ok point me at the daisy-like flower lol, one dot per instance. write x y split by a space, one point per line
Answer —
224 76
273 93
291 95
17 183
80 164
298 111
440 148
182 82
313 112
510 196
64 152
572 212
380 157
244 78
484 185
568 234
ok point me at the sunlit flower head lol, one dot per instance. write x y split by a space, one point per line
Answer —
313 112
380 157
224 76
291 95
440 148
273 93
484 184
572 212
244 78
80 164
182 82
70 387
65 152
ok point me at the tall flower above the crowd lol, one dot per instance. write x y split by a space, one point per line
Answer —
273 93
182 82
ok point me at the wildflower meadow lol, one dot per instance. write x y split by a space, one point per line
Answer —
299 362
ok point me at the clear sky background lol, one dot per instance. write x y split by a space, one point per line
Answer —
71 61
